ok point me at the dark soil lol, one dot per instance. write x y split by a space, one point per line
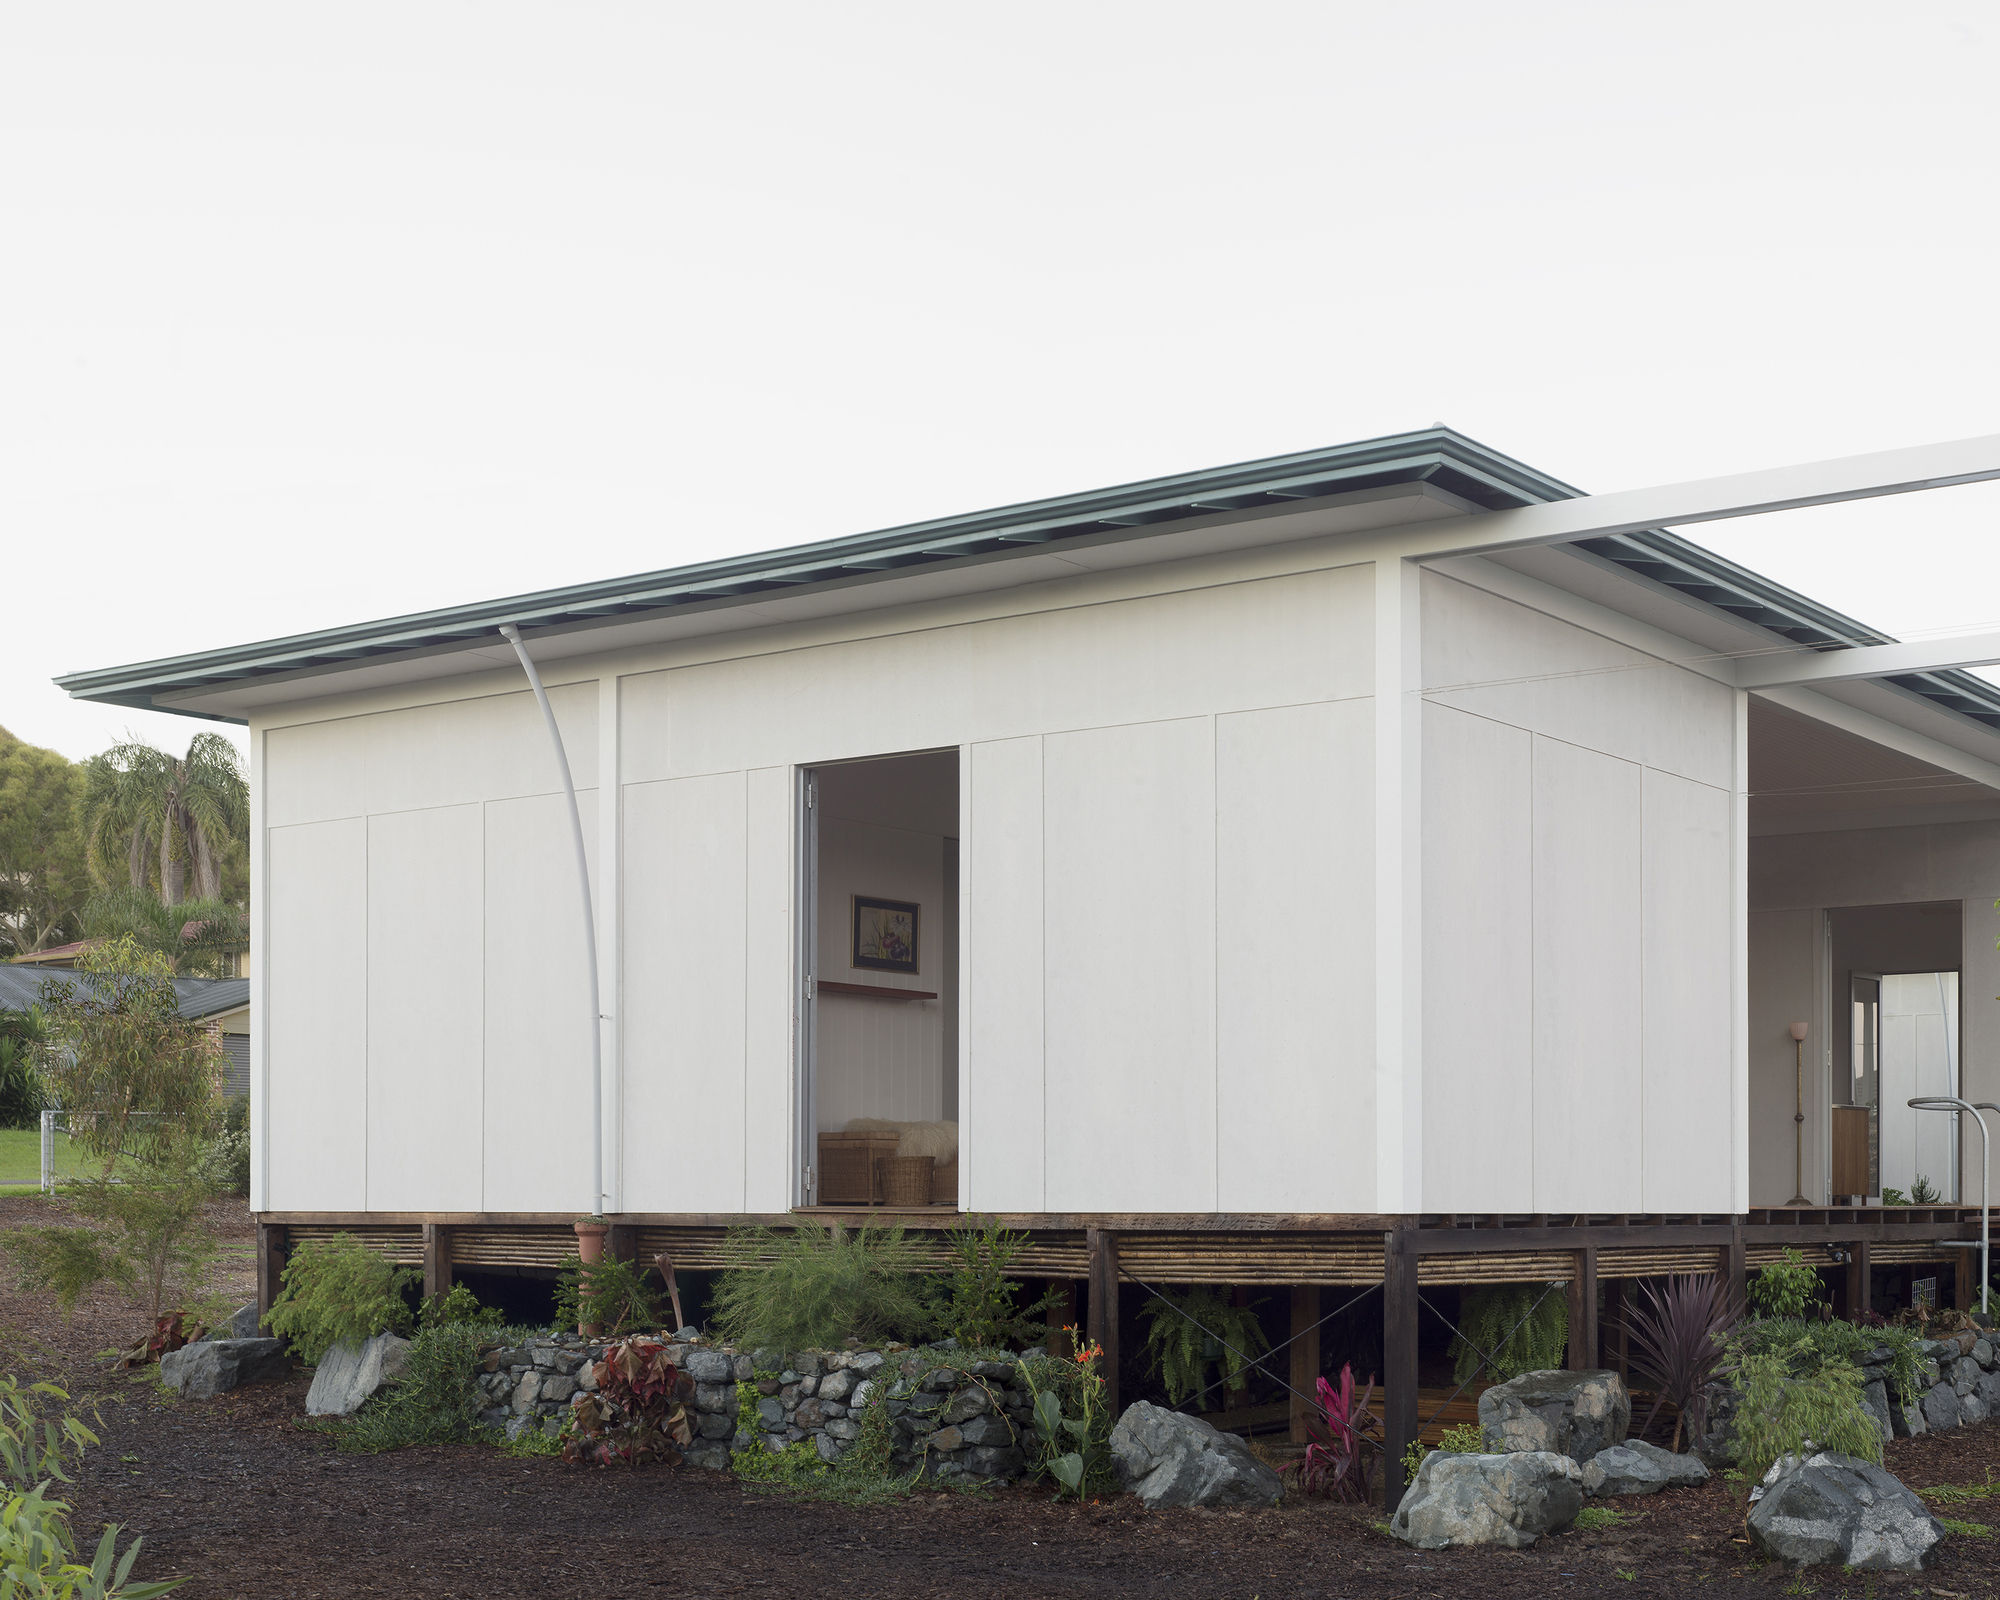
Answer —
233 1493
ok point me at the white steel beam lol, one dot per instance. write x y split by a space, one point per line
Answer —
1744 494
1807 667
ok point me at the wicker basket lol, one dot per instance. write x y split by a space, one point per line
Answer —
906 1180
848 1164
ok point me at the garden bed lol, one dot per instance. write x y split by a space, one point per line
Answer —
236 1493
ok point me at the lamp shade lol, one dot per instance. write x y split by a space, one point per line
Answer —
1799 1032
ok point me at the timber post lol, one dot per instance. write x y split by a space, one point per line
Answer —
1964 1281
1736 1268
1304 1348
1617 1305
1583 1309
437 1260
1860 1279
1062 1317
622 1244
1103 1331
271 1241
1399 1358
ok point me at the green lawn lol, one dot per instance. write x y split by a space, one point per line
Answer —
21 1157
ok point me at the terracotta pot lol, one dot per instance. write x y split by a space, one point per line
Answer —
590 1246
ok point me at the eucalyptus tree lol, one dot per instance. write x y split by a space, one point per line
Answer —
165 813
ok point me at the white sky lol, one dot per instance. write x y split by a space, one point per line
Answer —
312 314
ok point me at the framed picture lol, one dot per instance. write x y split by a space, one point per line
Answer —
885 935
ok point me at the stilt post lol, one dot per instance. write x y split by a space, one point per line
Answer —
271 1244
437 1260
1736 1268
1583 1310
1399 1357
1304 1376
1860 1284
1104 1308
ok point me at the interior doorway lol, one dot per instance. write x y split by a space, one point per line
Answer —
878 1058
1896 1037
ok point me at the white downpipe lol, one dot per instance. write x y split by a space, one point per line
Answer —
512 635
1951 1102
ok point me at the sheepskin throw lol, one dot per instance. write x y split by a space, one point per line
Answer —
936 1139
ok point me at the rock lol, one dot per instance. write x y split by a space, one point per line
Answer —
968 1403
993 1461
1836 1510
945 1439
1941 1407
1574 1414
718 1397
1509 1499
528 1390
828 1448
864 1391
713 1457
771 1412
843 1429
1636 1467
1989 1391
710 1426
685 1335
837 1385
745 1369
1982 1350
942 1381
807 1363
766 1359
556 1390
710 1366
865 1363
211 1367
1003 1370
1965 1376
1972 1408
1906 1417
1168 1458
987 1430
808 1386
241 1324
350 1375
811 1414
1875 1401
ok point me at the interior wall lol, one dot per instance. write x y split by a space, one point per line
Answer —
1577 918
1902 867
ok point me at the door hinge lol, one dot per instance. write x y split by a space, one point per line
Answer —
812 789
812 987
809 1185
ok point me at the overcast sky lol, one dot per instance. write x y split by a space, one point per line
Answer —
317 313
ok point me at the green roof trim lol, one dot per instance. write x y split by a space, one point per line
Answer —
1440 456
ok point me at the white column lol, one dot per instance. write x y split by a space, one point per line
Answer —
1399 1078
610 944
1739 960
260 966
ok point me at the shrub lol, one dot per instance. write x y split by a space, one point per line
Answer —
226 1164
975 1302
336 1291
1790 1391
807 1289
37 1549
1785 1288
612 1295
22 1095
1195 1329
1922 1193
1509 1329
638 1411
458 1306
1676 1336
1071 1420
1837 1342
147 1231
434 1402
1342 1442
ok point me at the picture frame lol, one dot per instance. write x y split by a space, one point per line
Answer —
885 935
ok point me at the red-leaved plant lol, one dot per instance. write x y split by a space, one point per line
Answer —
638 1411
1677 1345
1342 1443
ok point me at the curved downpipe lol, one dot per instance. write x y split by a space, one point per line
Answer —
512 635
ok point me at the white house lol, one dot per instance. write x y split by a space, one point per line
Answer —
1382 838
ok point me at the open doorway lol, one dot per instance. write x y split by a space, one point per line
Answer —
1896 1037
879 1053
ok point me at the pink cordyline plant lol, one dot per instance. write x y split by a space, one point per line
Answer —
1341 1443
1677 1345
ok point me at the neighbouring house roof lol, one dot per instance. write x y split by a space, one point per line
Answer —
57 955
21 987
1440 458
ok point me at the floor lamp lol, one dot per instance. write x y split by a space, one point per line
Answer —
1799 1119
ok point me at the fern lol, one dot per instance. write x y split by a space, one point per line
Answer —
807 1289
336 1291
1539 1343
1181 1353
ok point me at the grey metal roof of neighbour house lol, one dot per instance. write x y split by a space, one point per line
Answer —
21 987
1438 457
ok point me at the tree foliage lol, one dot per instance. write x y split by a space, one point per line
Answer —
161 817
44 878
22 1096
125 1066
197 938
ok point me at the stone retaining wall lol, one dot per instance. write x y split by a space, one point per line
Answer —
947 1422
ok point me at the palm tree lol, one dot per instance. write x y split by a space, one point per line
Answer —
186 810
198 938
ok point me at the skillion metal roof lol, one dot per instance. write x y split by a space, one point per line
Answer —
1438 456
21 987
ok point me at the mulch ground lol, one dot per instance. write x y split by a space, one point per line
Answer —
232 1493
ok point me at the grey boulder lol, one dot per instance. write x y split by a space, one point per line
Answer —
1574 1414
350 1375
210 1367
1636 1467
1509 1499
242 1324
1168 1458
1834 1510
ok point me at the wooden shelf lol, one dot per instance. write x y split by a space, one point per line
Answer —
879 990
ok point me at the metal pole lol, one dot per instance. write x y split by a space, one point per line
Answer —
1946 1102
512 635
